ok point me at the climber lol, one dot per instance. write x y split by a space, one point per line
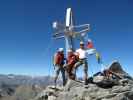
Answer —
71 60
58 65
82 54
90 44
91 50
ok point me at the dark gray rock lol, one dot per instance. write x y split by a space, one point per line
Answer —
99 88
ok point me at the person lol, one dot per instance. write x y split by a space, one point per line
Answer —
58 65
82 55
92 51
71 60
90 44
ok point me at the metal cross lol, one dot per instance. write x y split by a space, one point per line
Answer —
69 31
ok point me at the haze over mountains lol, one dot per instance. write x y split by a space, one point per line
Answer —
25 80
11 84
22 87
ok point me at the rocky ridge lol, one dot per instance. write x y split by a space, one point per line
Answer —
76 90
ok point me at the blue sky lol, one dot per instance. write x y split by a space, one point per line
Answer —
26 45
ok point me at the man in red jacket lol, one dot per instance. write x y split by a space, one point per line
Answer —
59 63
71 60
90 44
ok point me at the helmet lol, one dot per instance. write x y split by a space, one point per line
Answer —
81 42
60 49
89 40
69 50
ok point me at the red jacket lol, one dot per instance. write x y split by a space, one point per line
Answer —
59 58
90 45
71 59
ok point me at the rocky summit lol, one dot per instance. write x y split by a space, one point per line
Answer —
104 89
99 87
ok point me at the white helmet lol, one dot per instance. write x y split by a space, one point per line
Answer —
89 40
81 42
69 50
60 49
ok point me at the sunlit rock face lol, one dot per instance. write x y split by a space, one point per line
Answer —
75 90
116 67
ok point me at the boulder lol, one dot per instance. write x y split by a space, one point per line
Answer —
116 67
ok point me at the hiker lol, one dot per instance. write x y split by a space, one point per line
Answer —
91 50
71 60
82 54
58 65
90 44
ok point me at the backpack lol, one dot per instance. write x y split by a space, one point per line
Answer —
72 59
58 59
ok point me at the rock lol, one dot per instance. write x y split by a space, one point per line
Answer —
129 95
106 83
100 89
116 67
50 93
120 96
71 84
120 89
75 90
98 79
51 98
